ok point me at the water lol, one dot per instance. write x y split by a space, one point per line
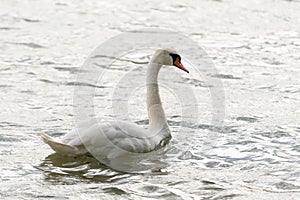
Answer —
255 47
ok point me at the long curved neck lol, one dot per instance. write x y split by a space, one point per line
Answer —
157 118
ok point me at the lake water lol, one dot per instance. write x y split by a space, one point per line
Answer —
254 46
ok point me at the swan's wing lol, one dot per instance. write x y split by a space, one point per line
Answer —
112 139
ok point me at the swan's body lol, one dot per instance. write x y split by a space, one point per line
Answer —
111 139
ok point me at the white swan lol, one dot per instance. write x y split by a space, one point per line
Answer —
111 139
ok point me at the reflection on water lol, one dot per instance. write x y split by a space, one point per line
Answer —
255 47
86 166
60 169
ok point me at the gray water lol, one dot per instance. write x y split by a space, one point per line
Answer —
255 47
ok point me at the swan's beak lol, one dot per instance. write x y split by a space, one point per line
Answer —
178 64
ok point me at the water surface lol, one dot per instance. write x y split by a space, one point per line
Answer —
254 45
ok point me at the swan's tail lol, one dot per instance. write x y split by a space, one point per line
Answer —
60 147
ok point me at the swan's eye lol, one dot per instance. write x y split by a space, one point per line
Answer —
177 62
175 56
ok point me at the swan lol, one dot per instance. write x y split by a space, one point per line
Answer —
111 139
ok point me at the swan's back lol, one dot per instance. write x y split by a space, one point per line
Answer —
107 140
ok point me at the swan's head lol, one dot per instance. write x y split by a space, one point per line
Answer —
168 56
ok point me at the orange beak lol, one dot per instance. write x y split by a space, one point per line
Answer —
178 64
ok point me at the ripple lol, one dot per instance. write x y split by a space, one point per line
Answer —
31 20
47 63
6 86
114 190
286 186
72 70
247 119
188 155
284 89
11 124
47 81
225 76
153 191
8 28
195 82
29 44
273 134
